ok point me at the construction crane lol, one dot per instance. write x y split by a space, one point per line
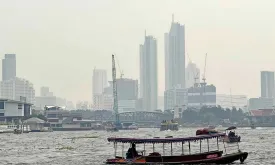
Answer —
121 71
203 78
196 76
203 84
115 106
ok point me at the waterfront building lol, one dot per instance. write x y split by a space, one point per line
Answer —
12 110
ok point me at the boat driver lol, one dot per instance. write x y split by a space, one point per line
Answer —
132 152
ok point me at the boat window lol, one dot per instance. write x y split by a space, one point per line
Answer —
1 114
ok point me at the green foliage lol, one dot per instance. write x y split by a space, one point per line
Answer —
212 115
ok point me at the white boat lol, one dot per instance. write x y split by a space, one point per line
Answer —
11 128
133 127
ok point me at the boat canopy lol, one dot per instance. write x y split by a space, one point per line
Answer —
165 140
231 128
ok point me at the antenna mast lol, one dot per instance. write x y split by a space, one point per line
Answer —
115 107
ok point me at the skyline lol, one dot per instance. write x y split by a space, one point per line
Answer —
64 45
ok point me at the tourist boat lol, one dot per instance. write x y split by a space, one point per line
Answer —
230 136
209 157
169 125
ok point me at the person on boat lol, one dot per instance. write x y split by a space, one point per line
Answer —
230 133
132 152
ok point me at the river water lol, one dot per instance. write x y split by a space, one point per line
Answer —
68 148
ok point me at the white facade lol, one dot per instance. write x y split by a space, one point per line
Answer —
149 74
176 97
14 88
126 105
174 43
12 108
192 72
229 101
99 81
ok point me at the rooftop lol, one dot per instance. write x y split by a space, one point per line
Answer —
14 101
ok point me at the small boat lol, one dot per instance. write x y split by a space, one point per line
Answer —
210 157
133 127
206 131
169 125
14 128
231 137
111 128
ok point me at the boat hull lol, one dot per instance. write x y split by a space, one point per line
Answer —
226 159
71 129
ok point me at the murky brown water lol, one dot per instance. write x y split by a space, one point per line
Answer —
56 148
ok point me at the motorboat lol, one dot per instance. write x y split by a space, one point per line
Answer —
133 157
169 125
231 136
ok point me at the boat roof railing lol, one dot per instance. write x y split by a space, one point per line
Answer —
164 140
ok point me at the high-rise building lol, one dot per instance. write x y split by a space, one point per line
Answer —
267 84
192 74
16 88
99 83
9 67
44 91
175 56
177 97
127 94
149 74
199 96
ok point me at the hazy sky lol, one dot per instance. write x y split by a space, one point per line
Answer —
59 42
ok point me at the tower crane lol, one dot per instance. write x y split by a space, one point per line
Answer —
203 77
115 106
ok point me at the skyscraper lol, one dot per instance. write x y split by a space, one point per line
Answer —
175 56
99 83
148 74
192 73
9 67
267 84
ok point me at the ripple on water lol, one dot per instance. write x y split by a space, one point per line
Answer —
65 149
